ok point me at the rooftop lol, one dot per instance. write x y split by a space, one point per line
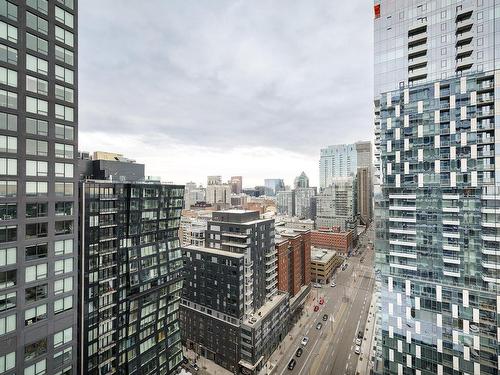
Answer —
319 255
209 250
266 309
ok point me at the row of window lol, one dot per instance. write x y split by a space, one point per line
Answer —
36 168
8 233
38 127
35 147
8 256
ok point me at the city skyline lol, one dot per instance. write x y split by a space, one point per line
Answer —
280 81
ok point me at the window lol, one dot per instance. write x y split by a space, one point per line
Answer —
8 32
8 121
64 74
63 356
36 209
8 211
63 266
36 64
37 293
64 132
64 151
8 279
64 113
36 188
68 3
64 208
7 302
8 256
63 285
35 314
63 337
37 44
64 93
8 233
64 189
64 17
7 324
8 99
8 10
8 144
8 54
33 350
36 230
39 368
39 127
8 77
40 5
8 189
36 168
63 304
38 272
63 227
64 36
37 23
35 147
37 85
38 106
63 247
37 251
8 166
64 55
7 362
64 170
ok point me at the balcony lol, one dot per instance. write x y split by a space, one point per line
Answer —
402 208
403 255
418 38
464 51
491 266
451 247
402 243
451 273
419 73
489 279
417 62
451 261
451 222
403 266
416 51
487 251
464 63
234 235
464 38
490 238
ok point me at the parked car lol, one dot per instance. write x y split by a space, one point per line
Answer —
325 317
358 341
317 285
316 308
360 335
357 349
195 367
333 285
299 352
321 301
304 341
292 364
319 325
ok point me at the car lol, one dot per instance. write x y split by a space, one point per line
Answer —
304 341
319 325
292 364
316 308
358 341
321 301
317 285
333 285
185 360
195 367
360 335
325 317
357 349
299 352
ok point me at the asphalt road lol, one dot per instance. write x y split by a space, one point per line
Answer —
330 350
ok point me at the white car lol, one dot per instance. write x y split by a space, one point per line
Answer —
317 285
333 284
304 341
357 350
358 341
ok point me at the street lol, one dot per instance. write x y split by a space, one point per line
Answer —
330 350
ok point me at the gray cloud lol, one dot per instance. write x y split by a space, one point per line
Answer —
294 75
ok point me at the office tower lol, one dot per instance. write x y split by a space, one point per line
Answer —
110 166
303 202
336 161
285 202
236 184
364 183
193 194
231 293
273 185
301 181
130 278
437 234
38 192
336 204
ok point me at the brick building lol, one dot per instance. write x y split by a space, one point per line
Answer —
342 242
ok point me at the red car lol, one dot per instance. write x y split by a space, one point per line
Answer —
321 301
316 308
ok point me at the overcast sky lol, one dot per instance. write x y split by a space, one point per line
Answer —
252 88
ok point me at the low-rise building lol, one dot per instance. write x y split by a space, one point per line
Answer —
342 242
323 264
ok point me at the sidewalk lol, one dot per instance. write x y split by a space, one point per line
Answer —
364 362
207 367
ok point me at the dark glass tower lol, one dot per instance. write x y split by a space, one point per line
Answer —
38 186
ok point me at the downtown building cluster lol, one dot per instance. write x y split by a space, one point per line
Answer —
437 192
89 270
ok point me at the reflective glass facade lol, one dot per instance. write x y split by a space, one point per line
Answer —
438 191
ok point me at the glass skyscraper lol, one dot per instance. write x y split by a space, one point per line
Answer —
437 125
38 192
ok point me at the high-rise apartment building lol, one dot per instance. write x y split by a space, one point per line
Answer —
236 184
337 161
303 202
232 312
437 216
38 186
130 281
336 204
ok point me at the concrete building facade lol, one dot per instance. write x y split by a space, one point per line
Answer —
336 204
